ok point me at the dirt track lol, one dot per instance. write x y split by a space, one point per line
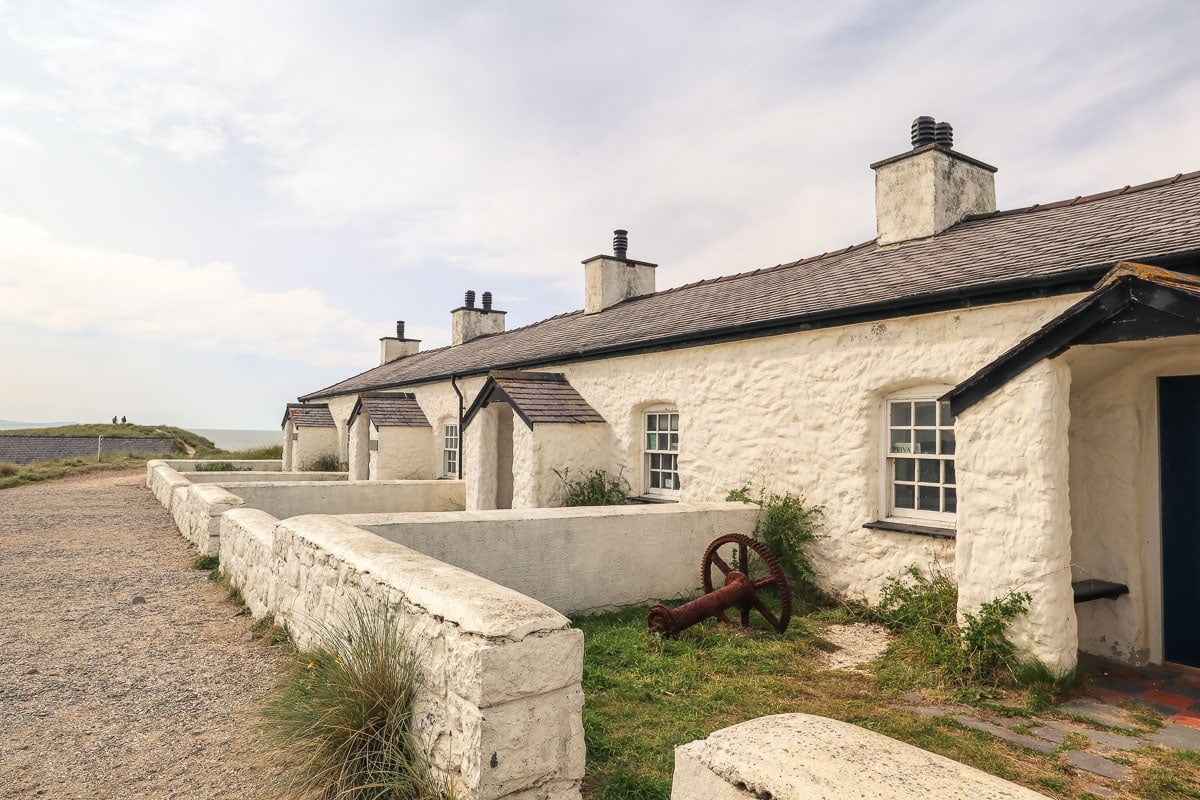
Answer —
103 695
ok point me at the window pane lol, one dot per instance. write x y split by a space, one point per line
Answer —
945 415
949 472
651 441
951 500
903 495
929 497
906 469
674 442
901 441
655 461
901 413
947 442
674 480
926 413
654 480
651 422
674 422
930 470
926 440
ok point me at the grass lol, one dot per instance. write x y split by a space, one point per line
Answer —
645 695
342 718
595 488
16 475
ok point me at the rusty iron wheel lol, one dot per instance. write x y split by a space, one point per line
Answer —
763 569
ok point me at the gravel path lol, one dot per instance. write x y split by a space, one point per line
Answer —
123 671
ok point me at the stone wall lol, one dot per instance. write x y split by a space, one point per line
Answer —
500 711
574 559
28 449
1014 514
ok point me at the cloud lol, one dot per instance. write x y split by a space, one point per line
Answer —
61 287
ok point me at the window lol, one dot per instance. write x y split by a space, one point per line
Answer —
662 452
920 459
450 450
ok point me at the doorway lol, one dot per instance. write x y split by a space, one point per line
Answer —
1179 462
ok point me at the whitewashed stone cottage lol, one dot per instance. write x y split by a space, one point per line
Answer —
309 435
985 390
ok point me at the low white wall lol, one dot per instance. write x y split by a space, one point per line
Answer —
262 477
244 465
197 511
500 711
800 756
293 499
574 559
162 480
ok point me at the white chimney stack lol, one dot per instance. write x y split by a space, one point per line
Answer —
610 279
469 322
394 347
923 192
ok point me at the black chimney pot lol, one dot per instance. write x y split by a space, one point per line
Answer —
943 134
923 131
620 243
399 329
487 301
469 299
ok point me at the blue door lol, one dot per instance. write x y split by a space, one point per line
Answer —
1179 448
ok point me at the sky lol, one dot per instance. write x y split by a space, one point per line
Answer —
209 208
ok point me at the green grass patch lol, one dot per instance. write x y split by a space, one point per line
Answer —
14 475
594 488
206 563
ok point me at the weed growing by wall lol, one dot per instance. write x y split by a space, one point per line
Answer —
215 466
342 718
325 463
923 611
787 525
595 488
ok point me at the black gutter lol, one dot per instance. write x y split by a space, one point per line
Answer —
454 384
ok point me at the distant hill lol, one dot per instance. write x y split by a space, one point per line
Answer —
8 424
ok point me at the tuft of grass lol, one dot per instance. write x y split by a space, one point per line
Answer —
342 718
326 463
595 488
8 469
62 467
787 525
206 563
931 648
215 466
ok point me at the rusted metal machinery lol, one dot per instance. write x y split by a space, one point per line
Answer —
750 558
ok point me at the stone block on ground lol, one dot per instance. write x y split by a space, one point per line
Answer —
1005 734
1098 712
1098 765
793 756
1180 737
1116 741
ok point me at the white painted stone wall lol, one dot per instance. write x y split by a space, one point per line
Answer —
799 412
544 450
285 500
802 757
358 453
262 477
312 444
575 560
1114 485
607 281
500 712
239 465
403 455
1014 514
197 510
289 445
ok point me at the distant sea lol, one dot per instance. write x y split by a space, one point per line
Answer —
240 439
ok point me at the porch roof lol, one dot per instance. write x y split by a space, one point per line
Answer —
308 415
1132 302
390 410
535 397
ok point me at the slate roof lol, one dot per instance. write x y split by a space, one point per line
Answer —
311 415
28 449
987 258
535 397
391 410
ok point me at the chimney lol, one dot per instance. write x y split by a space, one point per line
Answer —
923 192
469 322
610 279
393 347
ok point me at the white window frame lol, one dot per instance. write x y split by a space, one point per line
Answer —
654 459
450 438
941 457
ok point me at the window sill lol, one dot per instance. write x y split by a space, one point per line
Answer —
908 527
645 498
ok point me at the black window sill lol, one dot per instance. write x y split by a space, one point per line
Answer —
908 527
651 500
